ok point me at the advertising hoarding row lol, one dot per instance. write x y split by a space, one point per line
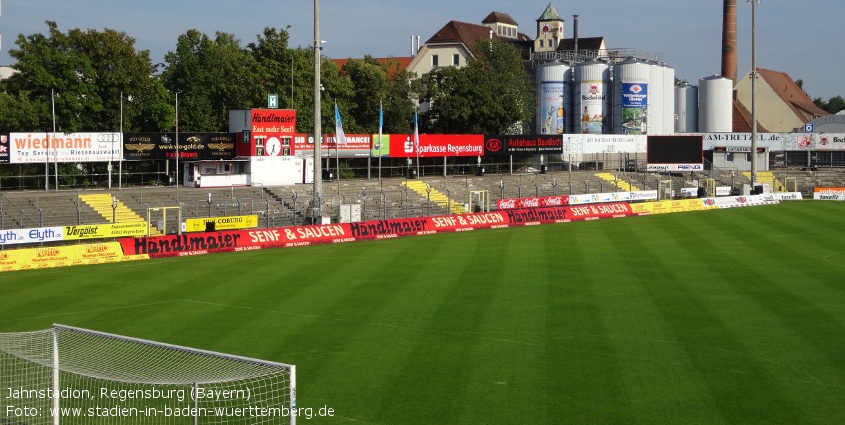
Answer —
19 148
135 248
247 240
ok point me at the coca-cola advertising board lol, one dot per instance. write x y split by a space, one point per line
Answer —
535 202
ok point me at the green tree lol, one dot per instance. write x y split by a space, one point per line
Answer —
488 96
18 113
211 77
87 74
402 95
275 64
386 84
290 74
833 105
369 87
286 72
122 77
159 111
51 70
339 89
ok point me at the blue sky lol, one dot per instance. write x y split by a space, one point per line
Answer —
803 39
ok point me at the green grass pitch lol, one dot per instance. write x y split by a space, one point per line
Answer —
716 317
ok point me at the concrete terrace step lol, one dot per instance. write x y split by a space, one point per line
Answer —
437 197
624 185
109 208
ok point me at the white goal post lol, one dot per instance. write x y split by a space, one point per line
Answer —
69 375
664 190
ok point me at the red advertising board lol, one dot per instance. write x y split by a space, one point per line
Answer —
239 240
458 223
271 133
246 240
531 216
321 234
357 146
541 201
435 145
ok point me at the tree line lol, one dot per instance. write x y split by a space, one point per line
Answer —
95 80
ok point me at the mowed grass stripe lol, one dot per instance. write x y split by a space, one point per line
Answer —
712 345
376 311
506 351
658 375
794 330
442 369
752 292
581 363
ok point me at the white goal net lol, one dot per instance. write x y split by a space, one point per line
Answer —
68 375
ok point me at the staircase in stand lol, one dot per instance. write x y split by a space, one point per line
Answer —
436 197
767 177
102 204
623 185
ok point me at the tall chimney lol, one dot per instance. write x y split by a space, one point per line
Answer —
575 32
729 46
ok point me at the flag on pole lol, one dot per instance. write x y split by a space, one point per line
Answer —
380 125
341 138
416 134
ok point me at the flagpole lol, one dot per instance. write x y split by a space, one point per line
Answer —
417 142
55 151
380 125
49 143
339 137
337 143
370 158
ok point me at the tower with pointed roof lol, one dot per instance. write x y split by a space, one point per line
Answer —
549 30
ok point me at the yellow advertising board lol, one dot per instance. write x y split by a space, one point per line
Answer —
641 208
10 260
68 255
222 223
104 231
662 207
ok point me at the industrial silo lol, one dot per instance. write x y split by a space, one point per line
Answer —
668 100
631 82
554 98
686 108
655 99
715 105
592 97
